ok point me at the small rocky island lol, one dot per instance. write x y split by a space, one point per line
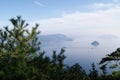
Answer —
95 43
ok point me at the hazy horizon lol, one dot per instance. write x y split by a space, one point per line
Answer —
80 50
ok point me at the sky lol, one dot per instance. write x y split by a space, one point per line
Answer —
70 17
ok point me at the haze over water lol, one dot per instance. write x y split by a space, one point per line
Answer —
80 50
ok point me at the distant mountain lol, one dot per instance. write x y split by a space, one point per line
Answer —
54 37
108 36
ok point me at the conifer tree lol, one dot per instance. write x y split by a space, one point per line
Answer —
21 58
93 73
17 47
113 59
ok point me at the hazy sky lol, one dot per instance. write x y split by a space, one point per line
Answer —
71 17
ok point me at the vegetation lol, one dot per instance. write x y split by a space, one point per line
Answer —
114 56
22 59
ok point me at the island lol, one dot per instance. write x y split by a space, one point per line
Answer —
95 43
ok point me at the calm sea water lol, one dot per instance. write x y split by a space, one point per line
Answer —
81 51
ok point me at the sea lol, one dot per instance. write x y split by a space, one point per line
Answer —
80 50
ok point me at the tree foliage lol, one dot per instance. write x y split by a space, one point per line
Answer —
93 73
112 59
21 58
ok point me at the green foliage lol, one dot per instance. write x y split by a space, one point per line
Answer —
17 47
19 42
103 68
93 73
111 59
21 58
116 74
77 72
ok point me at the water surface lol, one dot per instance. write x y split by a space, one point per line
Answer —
81 51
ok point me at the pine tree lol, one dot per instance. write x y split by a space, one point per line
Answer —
17 47
113 59
21 58
93 73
